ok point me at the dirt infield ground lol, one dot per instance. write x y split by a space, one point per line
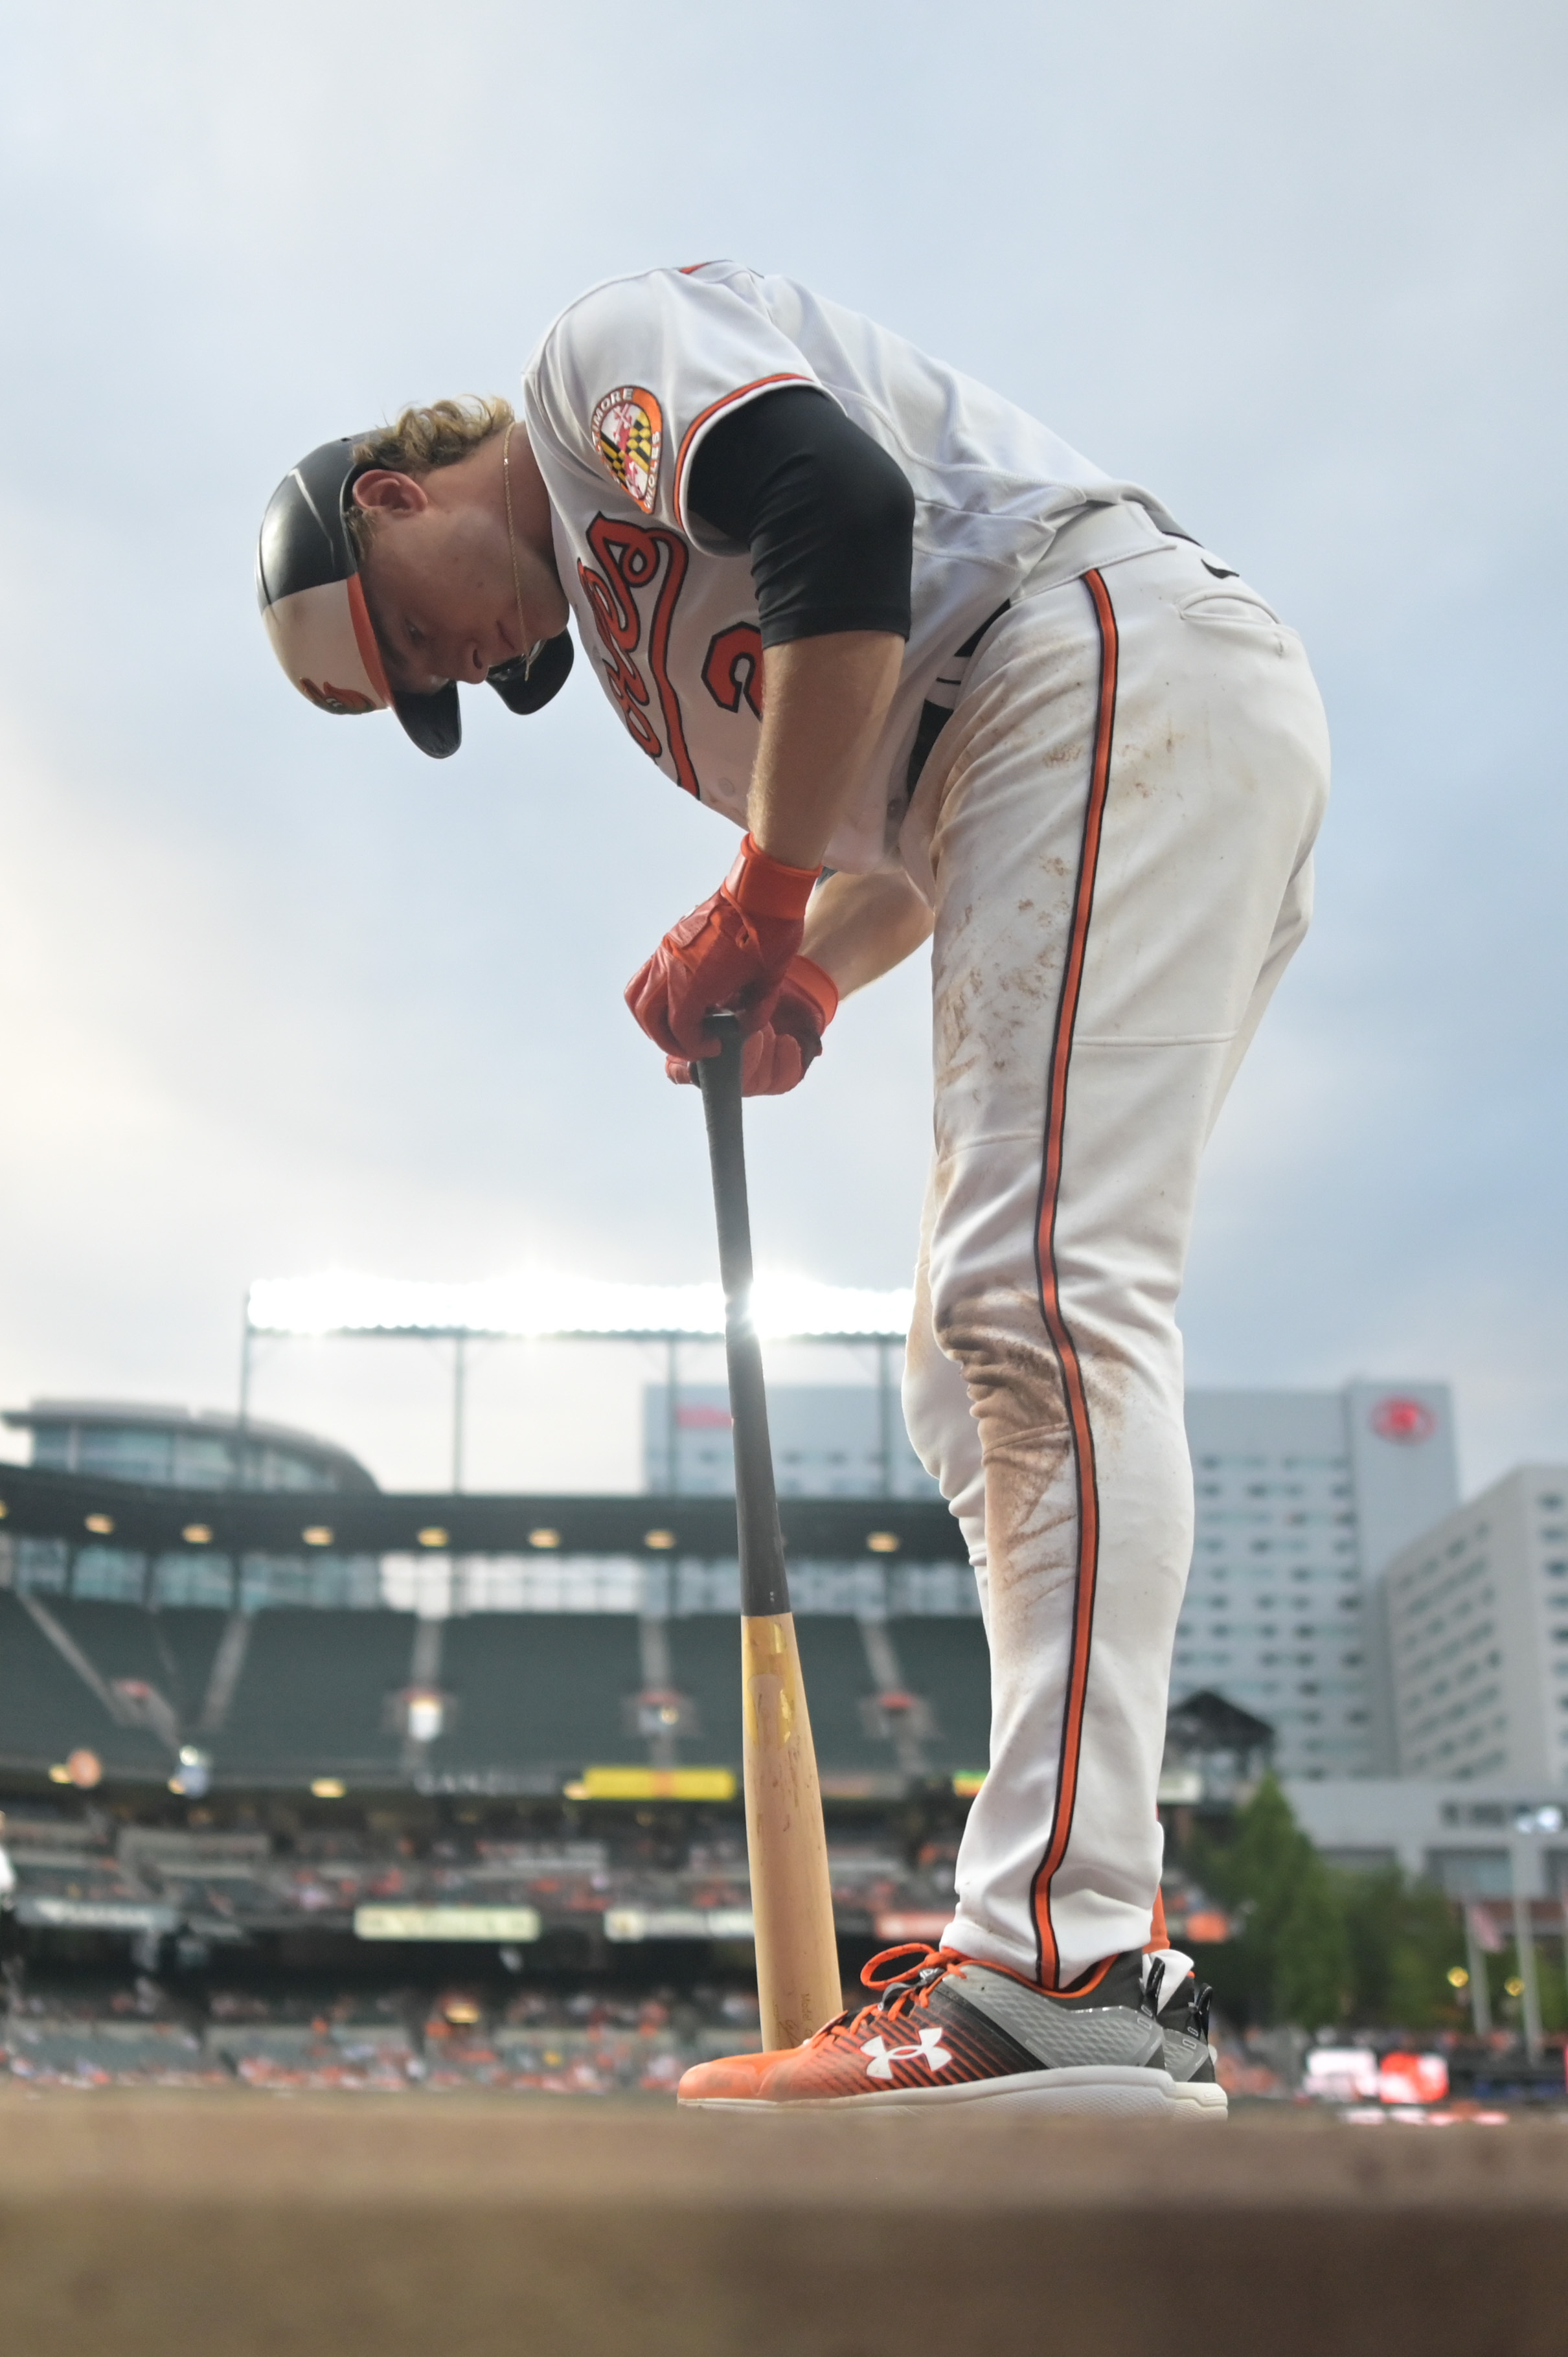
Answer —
133 2224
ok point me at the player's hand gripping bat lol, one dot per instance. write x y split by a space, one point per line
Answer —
797 1958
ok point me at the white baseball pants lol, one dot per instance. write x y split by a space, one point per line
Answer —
1116 829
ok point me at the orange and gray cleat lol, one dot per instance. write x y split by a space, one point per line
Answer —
947 2028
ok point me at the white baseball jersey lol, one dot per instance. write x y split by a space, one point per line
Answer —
617 400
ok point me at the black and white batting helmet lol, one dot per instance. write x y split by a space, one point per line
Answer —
313 603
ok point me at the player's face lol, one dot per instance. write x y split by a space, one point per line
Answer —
438 581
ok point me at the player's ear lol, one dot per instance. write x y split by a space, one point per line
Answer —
386 493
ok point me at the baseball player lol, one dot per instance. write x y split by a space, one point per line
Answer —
951 681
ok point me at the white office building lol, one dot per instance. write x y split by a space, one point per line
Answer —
1301 1496
1483 1839
1477 1610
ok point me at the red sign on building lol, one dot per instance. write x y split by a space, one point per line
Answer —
1402 1419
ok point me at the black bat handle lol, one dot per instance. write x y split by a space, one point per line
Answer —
764 1584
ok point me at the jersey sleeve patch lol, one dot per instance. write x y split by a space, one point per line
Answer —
628 435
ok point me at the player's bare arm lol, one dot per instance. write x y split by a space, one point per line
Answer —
827 701
858 927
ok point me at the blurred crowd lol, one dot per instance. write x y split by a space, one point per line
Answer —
219 1887
583 2041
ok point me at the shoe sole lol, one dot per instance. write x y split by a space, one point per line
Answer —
1203 2094
1101 2090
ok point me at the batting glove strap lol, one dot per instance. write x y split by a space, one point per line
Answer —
761 886
807 981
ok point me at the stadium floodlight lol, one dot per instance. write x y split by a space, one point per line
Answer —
541 1305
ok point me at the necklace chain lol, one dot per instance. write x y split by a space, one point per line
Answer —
530 649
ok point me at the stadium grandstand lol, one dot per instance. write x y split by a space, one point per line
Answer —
312 1783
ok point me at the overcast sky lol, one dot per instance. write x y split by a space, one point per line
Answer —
281 994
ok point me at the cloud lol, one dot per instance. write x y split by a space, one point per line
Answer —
280 993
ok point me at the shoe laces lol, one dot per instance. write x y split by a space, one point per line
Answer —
911 1984
896 1992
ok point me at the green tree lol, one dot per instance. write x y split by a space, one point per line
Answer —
1403 1939
1291 1960
1316 1944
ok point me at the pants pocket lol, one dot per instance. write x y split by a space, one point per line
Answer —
1238 608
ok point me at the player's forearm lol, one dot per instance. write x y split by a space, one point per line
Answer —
826 700
860 926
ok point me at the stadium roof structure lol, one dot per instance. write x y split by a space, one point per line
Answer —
333 1467
85 1511
540 1305
544 1304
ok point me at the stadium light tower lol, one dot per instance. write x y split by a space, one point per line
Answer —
540 1305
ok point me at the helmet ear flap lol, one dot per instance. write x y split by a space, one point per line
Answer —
434 722
527 686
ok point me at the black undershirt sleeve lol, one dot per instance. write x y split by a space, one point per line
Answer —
828 516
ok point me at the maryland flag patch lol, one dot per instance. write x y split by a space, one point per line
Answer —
629 431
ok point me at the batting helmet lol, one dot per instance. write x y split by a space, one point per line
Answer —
313 603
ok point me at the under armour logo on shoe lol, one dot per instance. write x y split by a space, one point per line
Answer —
931 2051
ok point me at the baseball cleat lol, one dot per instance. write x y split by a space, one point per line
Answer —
946 2028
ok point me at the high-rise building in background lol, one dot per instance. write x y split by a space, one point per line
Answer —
1301 1496
1478 1609
829 1441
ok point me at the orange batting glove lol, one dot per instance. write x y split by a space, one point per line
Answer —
732 953
779 1057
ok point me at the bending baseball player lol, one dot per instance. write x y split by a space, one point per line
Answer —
949 679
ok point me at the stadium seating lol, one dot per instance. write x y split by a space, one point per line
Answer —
532 1696
942 1660
704 1664
109 2053
838 1680
540 1690
311 1697
47 1710
170 1651
945 1660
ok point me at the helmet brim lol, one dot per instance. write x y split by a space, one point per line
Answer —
527 686
434 723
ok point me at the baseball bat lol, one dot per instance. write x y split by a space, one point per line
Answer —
791 1900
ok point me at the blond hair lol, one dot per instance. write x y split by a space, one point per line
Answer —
435 435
